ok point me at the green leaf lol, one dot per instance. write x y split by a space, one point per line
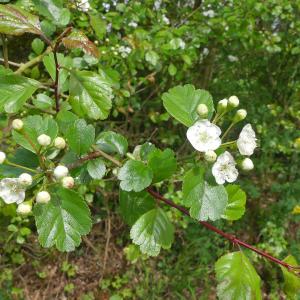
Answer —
236 203
77 39
153 231
291 281
206 201
16 21
15 90
91 95
111 142
96 168
133 205
237 278
53 10
135 176
162 163
98 25
80 136
181 102
43 101
63 220
37 46
65 120
35 126
152 57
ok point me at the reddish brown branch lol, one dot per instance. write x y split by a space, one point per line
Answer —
227 236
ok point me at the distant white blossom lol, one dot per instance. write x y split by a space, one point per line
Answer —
209 13
12 191
165 19
157 4
224 168
133 24
246 142
124 51
2 157
84 5
205 51
106 6
232 58
204 136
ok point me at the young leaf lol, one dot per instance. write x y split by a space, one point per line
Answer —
291 281
77 39
181 102
63 220
96 168
91 95
135 176
43 101
162 163
152 231
80 136
133 205
236 203
16 21
237 278
54 11
65 120
98 25
15 90
34 126
111 142
206 201
37 46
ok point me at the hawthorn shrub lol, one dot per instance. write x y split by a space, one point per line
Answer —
93 64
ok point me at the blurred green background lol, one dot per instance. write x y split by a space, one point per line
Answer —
247 48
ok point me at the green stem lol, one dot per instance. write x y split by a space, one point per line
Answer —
227 131
20 167
5 51
228 143
32 62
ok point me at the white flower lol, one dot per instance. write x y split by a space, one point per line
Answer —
44 140
233 101
2 157
84 5
24 208
106 6
246 142
209 13
247 164
165 19
60 172
204 136
43 197
133 24
124 51
224 168
68 182
17 124
59 143
25 179
232 58
11 191
210 156
202 110
205 51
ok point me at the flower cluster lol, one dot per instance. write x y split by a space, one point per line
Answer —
13 190
206 137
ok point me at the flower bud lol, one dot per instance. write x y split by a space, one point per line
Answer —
68 182
24 208
202 110
247 164
297 143
44 140
2 157
222 105
60 172
43 197
240 115
233 101
25 179
210 156
59 143
17 124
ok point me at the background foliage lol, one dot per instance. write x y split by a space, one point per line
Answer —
248 48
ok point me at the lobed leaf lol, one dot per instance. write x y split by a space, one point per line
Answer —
181 102
237 278
153 231
63 220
